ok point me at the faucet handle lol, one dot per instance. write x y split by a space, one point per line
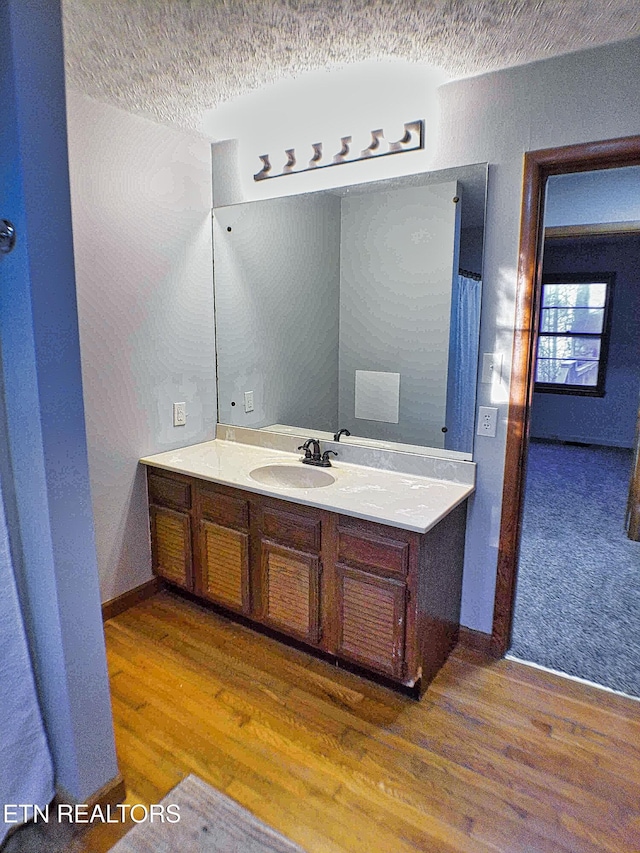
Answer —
307 448
326 462
311 454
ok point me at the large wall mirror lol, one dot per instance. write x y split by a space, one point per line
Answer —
355 308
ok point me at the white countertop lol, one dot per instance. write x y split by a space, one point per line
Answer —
401 500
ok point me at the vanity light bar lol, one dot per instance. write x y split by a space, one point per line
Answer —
412 140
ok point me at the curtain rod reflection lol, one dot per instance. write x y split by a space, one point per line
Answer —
467 274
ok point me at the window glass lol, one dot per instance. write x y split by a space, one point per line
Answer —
571 343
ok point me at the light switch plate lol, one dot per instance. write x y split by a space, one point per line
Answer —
491 367
248 401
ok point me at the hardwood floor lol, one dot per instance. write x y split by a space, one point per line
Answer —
495 757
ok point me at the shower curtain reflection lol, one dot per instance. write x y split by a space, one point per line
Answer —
463 360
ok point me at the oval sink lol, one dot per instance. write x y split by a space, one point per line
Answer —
292 476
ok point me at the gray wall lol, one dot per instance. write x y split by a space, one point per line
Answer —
609 195
610 419
141 204
397 258
495 118
581 97
277 278
44 455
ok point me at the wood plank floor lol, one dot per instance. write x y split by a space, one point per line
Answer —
495 757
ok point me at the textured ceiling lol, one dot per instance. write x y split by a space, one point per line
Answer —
172 60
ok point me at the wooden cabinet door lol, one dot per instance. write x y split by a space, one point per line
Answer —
290 591
171 545
224 566
372 614
223 574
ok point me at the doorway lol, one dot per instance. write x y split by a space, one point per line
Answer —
538 167
578 589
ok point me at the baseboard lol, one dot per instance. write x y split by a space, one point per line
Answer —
478 641
111 794
123 602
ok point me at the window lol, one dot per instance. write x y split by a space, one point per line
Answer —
573 334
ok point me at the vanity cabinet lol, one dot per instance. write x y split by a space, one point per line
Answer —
380 597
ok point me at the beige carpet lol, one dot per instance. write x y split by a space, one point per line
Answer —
210 822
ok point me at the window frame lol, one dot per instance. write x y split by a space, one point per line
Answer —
597 390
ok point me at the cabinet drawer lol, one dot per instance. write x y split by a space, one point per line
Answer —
298 530
169 492
223 509
369 551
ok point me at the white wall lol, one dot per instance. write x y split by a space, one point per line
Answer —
277 280
397 261
609 420
141 204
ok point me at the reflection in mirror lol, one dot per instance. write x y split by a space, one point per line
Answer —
356 308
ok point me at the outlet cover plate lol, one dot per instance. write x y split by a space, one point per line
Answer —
179 414
487 421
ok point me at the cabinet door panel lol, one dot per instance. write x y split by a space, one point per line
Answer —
372 620
224 566
291 591
171 545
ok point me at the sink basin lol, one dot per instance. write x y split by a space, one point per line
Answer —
292 476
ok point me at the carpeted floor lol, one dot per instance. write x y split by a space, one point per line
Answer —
578 595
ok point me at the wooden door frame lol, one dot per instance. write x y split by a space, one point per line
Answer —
538 166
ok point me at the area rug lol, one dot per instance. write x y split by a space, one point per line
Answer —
210 822
578 598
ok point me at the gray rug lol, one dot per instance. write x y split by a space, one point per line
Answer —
42 837
210 822
578 596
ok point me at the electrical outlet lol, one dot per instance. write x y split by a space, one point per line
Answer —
248 401
487 421
491 367
179 414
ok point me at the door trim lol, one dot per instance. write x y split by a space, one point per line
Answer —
538 166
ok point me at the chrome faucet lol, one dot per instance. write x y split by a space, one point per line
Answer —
315 457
